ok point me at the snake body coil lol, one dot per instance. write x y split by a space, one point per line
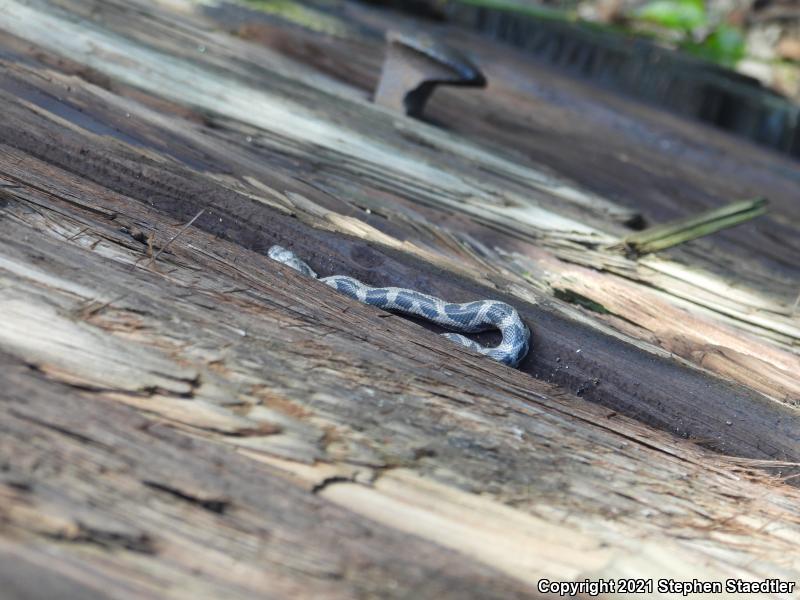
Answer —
469 317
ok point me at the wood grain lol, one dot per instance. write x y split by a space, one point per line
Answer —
184 418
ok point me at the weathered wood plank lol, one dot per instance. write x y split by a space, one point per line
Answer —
651 162
407 453
208 423
141 510
685 401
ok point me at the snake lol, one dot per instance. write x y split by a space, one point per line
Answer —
469 317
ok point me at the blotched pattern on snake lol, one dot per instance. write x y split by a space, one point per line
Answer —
469 317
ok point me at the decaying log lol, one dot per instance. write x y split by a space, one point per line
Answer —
184 418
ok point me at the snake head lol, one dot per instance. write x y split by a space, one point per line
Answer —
289 258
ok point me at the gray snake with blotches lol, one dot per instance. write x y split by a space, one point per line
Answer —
470 317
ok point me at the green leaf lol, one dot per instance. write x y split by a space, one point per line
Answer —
684 15
725 45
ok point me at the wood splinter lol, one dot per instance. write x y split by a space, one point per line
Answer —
677 232
414 66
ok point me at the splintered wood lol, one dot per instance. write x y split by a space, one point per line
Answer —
184 418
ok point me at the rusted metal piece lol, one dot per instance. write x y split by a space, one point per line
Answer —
415 65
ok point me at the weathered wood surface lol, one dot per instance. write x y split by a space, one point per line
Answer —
167 431
212 424
354 158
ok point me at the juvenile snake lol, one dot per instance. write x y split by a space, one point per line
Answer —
469 317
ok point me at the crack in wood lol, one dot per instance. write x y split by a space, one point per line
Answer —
214 505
